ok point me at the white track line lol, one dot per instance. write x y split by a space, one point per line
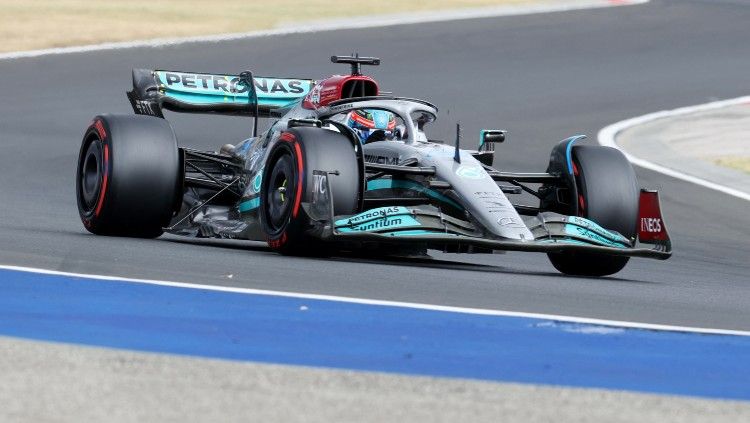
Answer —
608 135
376 21
367 301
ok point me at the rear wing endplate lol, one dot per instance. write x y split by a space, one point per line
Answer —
187 92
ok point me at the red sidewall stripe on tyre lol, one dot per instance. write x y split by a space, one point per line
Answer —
103 191
289 137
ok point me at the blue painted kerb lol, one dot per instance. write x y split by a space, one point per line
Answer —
344 335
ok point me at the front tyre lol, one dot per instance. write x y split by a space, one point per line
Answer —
608 195
288 182
128 176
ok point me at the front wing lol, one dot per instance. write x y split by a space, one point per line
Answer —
426 226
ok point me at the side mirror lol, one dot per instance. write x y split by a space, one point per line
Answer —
487 137
491 135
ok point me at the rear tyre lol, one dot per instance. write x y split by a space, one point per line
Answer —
128 176
608 195
288 182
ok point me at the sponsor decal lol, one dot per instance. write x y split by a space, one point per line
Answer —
321 202
388 222
371 158
329 94
320 184
496 206
232 84
507 221
652 229
373 214
145 107
494 202
489 194
470 172
378 219
315 95
651 224
341 108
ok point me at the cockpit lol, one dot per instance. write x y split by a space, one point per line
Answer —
382 118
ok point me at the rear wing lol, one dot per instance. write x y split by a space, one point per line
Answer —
187 92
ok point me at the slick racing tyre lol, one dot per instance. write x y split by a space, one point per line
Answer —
288 182
608 195
128 176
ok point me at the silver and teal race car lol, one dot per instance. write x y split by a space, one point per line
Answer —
310 184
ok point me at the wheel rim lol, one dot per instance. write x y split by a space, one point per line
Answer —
281 183
91 175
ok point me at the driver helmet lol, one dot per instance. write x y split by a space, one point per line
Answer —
366 122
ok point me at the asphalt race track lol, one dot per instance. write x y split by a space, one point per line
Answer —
542 77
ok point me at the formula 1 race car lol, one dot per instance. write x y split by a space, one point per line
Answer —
343 168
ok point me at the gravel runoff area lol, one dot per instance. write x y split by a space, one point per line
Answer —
49 382
712 145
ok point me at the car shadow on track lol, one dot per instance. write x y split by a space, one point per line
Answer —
366 257
434 263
